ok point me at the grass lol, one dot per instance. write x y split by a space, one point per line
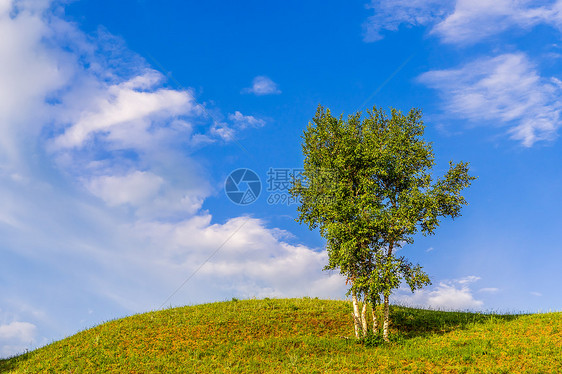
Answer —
301 336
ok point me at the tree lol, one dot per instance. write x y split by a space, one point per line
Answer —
368 187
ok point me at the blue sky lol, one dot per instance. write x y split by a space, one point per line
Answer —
121 120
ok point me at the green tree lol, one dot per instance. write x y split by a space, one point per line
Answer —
368 188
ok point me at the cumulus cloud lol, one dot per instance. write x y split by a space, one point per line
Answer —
447 295
23 331
124 111
240 257
506 90
243 121
262 85
16 337
223 131
238 122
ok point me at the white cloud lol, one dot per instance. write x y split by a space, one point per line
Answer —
223 131
468 279
210 261
508 89
22 331
134 188
489 290
243 121
504 90
460 21
5 7
77 124
534 293
391 14
239 122
29 71
475 20
447 295
251 261
16 337
128 106
262 85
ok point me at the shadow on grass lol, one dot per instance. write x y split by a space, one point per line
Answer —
411 322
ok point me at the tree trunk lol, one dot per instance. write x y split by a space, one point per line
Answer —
364 318
356 316
386 319
375 321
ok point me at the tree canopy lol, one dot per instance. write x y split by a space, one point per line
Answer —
368 187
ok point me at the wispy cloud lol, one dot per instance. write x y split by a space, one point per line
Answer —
391 14
489 290
476 20
462 21
506 90
468 279
262 85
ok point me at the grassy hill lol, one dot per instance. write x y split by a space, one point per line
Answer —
301 336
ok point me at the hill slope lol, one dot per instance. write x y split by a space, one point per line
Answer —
304 336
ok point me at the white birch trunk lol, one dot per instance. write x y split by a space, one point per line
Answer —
386 316
386 319
364 318
356 316
375 321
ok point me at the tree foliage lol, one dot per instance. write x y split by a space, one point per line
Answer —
368 187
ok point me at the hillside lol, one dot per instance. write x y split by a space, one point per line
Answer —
301 336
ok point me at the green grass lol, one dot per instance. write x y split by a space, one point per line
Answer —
301 336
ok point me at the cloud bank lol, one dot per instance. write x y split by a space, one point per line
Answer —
101 197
